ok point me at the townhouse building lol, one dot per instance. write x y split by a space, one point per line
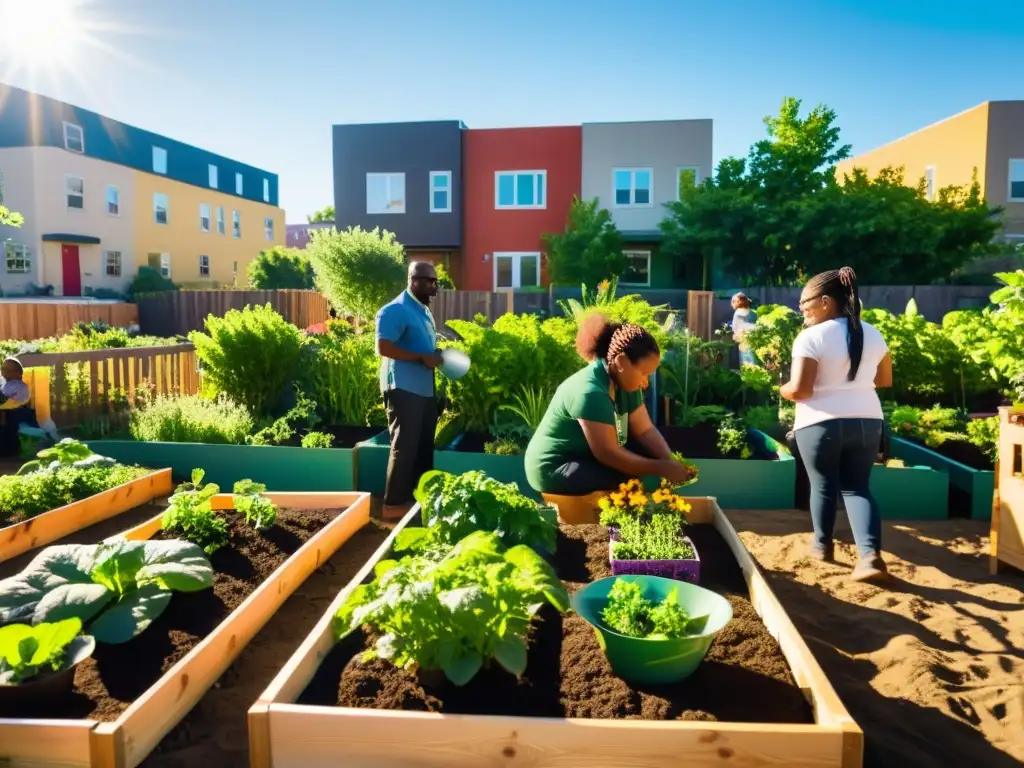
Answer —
298 235
101 198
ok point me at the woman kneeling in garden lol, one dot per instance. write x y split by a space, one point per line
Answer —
581 444
838 360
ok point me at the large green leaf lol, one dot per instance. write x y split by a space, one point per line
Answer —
52 568
131 615
117 565
460 665
511 654
176 565
82 601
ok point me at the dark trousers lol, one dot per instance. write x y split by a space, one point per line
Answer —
412 421
838 455
583 475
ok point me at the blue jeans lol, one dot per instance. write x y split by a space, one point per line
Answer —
838 455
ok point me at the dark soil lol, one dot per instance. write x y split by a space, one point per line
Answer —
701 442
744 677
963 451
344 436
116 675
473 442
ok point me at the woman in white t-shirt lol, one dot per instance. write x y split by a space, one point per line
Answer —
838 361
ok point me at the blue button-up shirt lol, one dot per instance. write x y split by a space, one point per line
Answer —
407 323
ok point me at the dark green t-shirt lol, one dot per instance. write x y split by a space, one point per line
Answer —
560 438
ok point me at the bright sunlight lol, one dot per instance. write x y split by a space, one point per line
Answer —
38 34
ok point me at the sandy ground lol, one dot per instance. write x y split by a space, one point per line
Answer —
932 665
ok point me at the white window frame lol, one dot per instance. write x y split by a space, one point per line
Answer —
211 171
266 190
515 190
239 184
68 194
236 225
67 137
167 208
165 265
160 160
637 254
679 170
14 251
117 200
1019 162
268 228
204 217
517 262
632 188
929 182
447 190
203 265
221 225
112 259
388 176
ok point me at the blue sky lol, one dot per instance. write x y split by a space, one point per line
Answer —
262 81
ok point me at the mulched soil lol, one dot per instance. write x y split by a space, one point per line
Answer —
116 675
473 442
744 677
701 442
964 452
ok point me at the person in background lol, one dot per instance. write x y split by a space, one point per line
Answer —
580 445
743 319
838 361
14 405
407 344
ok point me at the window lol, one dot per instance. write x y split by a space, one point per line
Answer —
220 220
159 160
160 208
929 182
440 191
385 193
634 187
74 191
268 229
204 217
112 263
686 178
162 262
213 176
520 189
1016 190
638 268
204 266
236 224
113 200
74 139
18 258
516 270
266 190
238 183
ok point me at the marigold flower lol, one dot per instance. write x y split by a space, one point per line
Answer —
637 499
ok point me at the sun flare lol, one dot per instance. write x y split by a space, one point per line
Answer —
39 33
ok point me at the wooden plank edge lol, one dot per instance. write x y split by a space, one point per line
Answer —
57 523
48 742
258 726
169 699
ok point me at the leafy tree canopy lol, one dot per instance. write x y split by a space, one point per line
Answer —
590 249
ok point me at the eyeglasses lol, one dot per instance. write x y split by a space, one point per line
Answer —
428 279
808 300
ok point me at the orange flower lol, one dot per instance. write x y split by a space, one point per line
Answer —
638 499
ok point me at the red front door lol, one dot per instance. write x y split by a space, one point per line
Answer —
72 270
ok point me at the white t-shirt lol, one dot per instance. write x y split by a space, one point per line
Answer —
835 397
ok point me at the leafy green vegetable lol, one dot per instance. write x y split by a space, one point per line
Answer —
732 438
259 511
27 652
191 516
660 538
457 505
120 586
456 610
629 613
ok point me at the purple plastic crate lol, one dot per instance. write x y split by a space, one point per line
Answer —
683 570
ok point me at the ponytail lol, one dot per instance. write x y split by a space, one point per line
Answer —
840 285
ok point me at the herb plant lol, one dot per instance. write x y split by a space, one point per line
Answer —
27 652
119 587
259 511
660 538
457 505
317 440
191 516
473 604
732 438
629 613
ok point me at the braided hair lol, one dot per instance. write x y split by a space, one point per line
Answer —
600 339
840 285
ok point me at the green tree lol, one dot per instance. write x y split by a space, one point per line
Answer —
10 218
358 271
590 249
444 279
280 268
324 214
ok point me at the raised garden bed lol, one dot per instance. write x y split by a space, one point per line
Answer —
466 453
129 696
570 707
971 474
18 538
371 456
344 436
280 467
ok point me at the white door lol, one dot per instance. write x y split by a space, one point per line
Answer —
516 270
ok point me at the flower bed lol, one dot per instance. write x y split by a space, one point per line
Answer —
129 696
390 717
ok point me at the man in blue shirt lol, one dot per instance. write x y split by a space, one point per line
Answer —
407 345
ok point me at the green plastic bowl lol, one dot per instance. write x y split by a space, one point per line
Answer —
654 662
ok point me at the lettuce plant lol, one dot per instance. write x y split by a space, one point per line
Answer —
629 613
456 609
26 652
119 587
190 515
259 511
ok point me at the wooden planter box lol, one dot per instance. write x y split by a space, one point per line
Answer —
1007 529
283 734
283 468
125 742
51 526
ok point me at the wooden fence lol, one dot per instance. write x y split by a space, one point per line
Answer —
81 386
30 320
175 313
465 305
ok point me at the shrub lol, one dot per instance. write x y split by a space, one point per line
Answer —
280 268
358 271
191 419
340 372
317 440
444 280
149 280
249 355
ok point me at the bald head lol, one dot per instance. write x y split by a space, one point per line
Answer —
422 280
